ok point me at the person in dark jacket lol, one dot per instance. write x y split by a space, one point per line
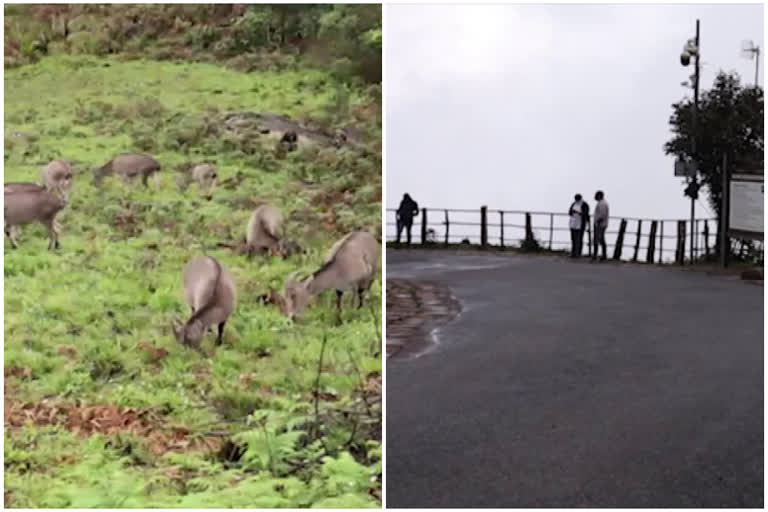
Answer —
407 210
584 224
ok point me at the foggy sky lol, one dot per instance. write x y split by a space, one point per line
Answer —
519 107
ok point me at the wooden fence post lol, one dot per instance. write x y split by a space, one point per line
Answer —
501 236
651 243
423 226
637 239
447 226
706 239
680 252
620 240
695 227
661 242
483 226
528 230
551 228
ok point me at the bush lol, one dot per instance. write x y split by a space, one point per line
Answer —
90 43
530 244
345 37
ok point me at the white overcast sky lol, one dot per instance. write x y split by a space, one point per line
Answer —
521 106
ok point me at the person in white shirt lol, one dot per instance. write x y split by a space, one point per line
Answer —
579 213
601 223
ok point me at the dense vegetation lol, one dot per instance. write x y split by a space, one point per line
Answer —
730 122
102 407
343 38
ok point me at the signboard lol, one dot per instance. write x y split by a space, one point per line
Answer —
746 206
684 168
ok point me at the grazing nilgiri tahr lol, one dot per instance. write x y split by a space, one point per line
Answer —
57 176
10 188
264 231
352 263
19 187
205 175
129 166
32 205
210 291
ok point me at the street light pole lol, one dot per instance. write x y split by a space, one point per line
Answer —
692 49
695 116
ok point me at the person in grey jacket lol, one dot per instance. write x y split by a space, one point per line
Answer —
601 223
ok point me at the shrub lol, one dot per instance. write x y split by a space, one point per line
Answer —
93 43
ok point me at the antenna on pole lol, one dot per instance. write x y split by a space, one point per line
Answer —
750 50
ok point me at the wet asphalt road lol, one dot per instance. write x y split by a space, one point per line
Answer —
567 384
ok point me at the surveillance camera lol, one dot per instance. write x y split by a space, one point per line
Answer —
690 47
685 58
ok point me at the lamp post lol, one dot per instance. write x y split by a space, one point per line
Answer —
691 49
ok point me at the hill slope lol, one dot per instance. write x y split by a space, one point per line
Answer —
105 409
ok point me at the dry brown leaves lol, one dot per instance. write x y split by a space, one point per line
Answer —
325 396
17 371
127 223
86 420
155 354
68 351
372 388
221 229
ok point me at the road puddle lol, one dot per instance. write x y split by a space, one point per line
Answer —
415 309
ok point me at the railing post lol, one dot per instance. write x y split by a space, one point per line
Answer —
722 228
620 240
661 242
423 226
651 243
706 239
696 238
637 239
483 226
501 236
528 230
680 252
551 228
447 227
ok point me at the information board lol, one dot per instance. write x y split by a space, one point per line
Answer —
746 206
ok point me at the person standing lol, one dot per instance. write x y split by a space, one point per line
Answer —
601 223
576 224
584 225
407 210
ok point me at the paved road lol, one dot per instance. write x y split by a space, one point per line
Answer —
568 384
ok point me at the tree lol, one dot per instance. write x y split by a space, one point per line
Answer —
729 122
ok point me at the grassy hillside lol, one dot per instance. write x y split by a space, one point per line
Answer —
102 407
344 38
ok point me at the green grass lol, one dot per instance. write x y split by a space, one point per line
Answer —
116 283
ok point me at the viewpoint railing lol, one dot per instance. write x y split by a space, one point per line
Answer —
627 238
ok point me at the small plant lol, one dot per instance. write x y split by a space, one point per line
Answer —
530 244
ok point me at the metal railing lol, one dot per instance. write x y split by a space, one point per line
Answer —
627 238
